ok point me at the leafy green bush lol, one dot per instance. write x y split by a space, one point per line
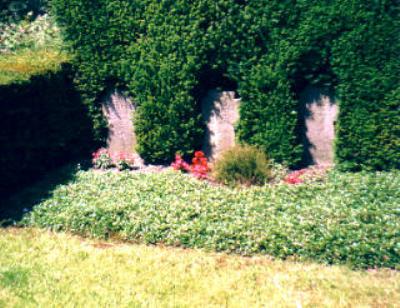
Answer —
243 164
167 54
350 218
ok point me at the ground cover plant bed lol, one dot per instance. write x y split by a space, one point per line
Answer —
41 269
348 219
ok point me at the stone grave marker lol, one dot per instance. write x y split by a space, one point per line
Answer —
118 110
320 111
221 112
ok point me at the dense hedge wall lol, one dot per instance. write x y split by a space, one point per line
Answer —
168 53
43 125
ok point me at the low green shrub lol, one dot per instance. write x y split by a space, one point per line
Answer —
103 159
243 164
349 218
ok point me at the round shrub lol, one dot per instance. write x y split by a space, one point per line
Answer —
243 164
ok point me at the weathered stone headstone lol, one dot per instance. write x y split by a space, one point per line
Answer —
119 110
320 112
221 112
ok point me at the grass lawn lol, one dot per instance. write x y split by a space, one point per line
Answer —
38 268
21 66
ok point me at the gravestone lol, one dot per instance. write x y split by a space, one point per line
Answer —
221 112
118 110
320 112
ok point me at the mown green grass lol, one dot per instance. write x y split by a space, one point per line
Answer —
22 65
41 269
350 219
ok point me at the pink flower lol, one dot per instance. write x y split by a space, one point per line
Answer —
180 164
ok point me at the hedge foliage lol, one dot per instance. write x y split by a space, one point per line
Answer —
166 54
43 124
352 218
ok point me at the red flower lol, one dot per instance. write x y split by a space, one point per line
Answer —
293 180
294 177
199 154
203 162
199 167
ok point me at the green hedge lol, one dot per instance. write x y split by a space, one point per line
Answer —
43 125
166 54
351 219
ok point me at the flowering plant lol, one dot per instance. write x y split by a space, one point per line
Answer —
102 159
295 177
313 174
179 164
123 161
199 167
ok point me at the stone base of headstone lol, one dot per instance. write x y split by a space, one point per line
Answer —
221 112
320 112
119 110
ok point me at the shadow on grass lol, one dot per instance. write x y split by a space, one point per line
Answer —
13 208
